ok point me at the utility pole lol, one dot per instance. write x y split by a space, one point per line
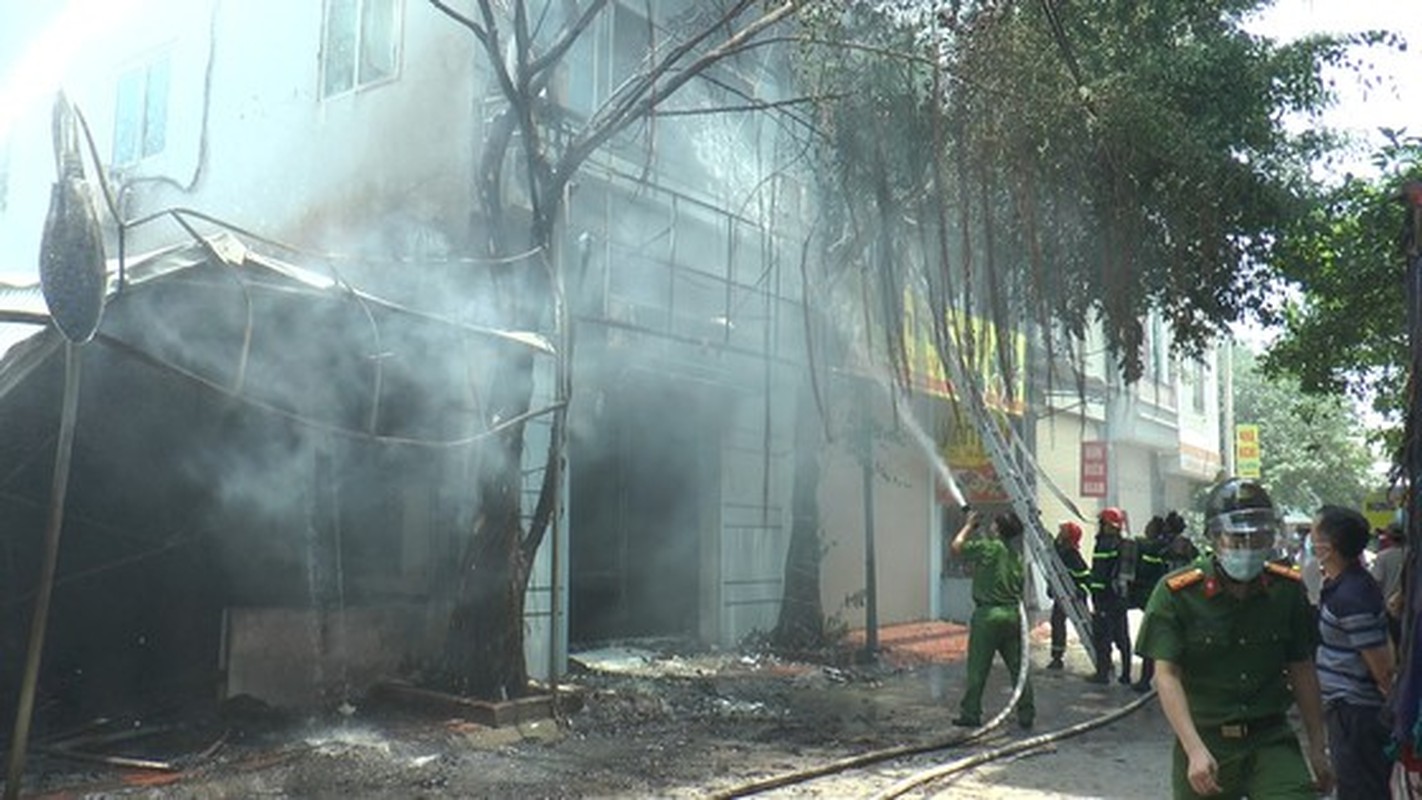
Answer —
1226 367
871 583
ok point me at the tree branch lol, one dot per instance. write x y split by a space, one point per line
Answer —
477 29
754 105
520 102
566 39
636 103
886 52
521 49
617 111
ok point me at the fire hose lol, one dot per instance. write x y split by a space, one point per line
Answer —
1022 745
888 754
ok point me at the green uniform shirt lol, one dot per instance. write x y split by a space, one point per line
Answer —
997 572
1231 652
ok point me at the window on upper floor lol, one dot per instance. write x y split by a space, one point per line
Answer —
576 87
632 36
362 44
605 55
1159 355
141 113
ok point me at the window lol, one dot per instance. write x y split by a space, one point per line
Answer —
141 117
631 36
577 86
1158 355
604 56
362 44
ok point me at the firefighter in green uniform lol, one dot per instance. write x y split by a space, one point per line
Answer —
1233 641
995 628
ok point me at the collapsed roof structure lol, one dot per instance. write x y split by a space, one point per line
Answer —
268 475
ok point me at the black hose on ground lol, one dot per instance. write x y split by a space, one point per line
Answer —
888 754
1031 743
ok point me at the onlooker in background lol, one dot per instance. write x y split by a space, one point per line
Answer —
1227 696
1354 655
1068 544
998 576
1387 571
1108 597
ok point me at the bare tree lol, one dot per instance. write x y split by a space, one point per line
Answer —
484 650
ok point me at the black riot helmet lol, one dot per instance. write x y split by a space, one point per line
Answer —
1240 507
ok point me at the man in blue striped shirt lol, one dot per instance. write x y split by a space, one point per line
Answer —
1354 655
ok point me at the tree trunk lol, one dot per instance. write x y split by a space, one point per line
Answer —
484 649
801 624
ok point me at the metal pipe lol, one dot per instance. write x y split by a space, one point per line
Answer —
59 486
871 582
1226 362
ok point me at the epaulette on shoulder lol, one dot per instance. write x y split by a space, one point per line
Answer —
1283 571
1189 577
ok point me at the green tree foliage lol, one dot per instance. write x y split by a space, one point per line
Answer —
1068 163
1312 446
1344 328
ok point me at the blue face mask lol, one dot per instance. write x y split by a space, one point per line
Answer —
1243 564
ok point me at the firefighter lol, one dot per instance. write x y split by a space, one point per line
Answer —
1108 597
998 575
1179 550
1233 640
1151 565
1068 545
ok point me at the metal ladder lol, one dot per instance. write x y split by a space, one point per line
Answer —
1040 548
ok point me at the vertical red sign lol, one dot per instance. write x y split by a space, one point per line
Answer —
1093 469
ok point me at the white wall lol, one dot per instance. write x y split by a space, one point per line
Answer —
280 160
905 526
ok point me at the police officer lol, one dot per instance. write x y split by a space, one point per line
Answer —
1233 640
1108 597
998 574
1068 544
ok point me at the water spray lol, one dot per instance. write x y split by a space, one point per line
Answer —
936 461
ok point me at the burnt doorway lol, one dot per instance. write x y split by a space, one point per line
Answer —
643 471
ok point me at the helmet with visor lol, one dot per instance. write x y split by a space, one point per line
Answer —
1240 518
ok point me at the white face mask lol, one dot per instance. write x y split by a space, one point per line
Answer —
1243 564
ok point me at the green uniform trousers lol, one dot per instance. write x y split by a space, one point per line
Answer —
994 629
1263 765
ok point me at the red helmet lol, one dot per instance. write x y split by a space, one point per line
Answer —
1114 517
1070 533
